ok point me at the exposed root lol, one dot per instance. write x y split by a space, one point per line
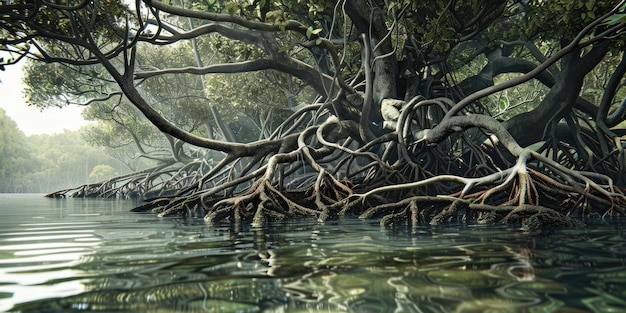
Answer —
261 203
159 181
390 177
524 195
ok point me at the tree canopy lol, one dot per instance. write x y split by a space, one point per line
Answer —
40 163
13 154
482 111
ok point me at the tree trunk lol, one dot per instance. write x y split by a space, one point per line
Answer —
370 21
530 127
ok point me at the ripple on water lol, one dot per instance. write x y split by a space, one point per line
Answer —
96 256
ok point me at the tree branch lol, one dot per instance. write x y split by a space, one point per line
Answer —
220 17
572 46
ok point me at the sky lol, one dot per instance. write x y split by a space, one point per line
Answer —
32 120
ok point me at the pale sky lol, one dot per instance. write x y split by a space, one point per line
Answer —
32 120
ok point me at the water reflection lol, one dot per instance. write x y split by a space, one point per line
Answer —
96 256
40 253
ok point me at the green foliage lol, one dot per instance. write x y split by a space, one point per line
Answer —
63 160
551 20
102 21
178 97
14 154
44 163
119 125
101 172
249 98
57 22
617 18
439 26
59 85
115 121
596 81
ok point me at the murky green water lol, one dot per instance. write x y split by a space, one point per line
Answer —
93 255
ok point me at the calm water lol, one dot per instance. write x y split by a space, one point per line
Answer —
93 255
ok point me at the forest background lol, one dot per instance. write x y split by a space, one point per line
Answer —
46 162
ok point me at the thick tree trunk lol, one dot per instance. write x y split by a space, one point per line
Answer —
370 21
531 127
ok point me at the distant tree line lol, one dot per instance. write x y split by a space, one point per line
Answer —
44 163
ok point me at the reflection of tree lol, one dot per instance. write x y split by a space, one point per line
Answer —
329 268
185 294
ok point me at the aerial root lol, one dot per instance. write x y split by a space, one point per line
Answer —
328 190
140 184
518 184
518 187
416 210
393 218
532 196
152 205
261 203
517 195
448 212
574 191
585 199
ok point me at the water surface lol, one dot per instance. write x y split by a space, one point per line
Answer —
76 255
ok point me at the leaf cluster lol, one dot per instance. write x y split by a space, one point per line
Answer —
552 20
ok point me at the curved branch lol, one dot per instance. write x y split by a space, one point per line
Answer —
57 6
572 46
176 35
459 123
127 85
611 90
618 115
239 67
502 65
220 17
290 66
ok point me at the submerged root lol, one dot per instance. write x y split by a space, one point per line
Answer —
519 195
260 204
